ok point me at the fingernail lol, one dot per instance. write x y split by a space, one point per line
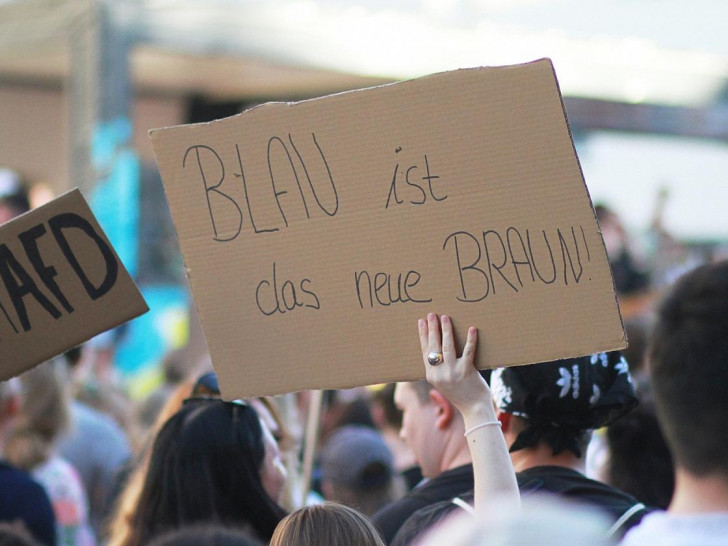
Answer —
472 330
444 319
431 316
421 323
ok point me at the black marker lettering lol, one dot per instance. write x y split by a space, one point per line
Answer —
46 273
247 197
565 252
20 284
410 183
471 267
430 178
524 260
533 261
214 189
69 220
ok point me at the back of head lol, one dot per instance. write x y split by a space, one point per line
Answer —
562 400
329 523
205 466
688 361
209 535
357 469
46 399
44 415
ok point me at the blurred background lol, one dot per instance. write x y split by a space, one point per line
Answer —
645 87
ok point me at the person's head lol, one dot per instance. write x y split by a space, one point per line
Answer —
357 469
431 426
208 534
557 404
639 461
688 363
385 414
14 199
211 461
44 414
329 523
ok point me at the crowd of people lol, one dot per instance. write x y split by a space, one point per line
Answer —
609 448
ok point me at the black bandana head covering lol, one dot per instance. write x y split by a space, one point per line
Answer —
564 398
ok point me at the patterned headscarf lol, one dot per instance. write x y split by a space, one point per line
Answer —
564 398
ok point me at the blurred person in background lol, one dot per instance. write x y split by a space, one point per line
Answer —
638 460
43 416
24 502
388 419
97 447
631 453
209 535
630 277
329 523
14 199
357 470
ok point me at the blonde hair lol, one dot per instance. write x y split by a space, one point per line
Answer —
44 415
329 523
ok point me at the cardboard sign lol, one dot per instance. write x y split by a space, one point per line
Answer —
61 283
317 233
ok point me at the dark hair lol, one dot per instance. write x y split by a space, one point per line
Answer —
639 460
329 523
205 467
209 535
688 361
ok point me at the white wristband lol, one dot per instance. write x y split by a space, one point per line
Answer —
481 425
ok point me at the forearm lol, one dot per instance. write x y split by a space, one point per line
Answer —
493 472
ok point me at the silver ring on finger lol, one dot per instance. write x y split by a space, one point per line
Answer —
434 358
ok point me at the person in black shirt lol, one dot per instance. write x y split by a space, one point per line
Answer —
547 412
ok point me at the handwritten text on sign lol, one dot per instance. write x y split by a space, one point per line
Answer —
317 233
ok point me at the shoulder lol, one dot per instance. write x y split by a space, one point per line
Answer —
621 507
442 488
683 530
427 517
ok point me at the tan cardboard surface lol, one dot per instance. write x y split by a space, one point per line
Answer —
61 283
316 233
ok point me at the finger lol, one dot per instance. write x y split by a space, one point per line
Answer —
448 344
433 334
470 344
422 327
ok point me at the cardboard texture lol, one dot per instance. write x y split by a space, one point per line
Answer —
316 233
61 283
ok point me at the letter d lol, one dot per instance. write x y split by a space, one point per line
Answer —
70 220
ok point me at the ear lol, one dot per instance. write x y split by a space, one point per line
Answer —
444 410
505 420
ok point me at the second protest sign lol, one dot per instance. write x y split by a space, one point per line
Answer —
316 233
